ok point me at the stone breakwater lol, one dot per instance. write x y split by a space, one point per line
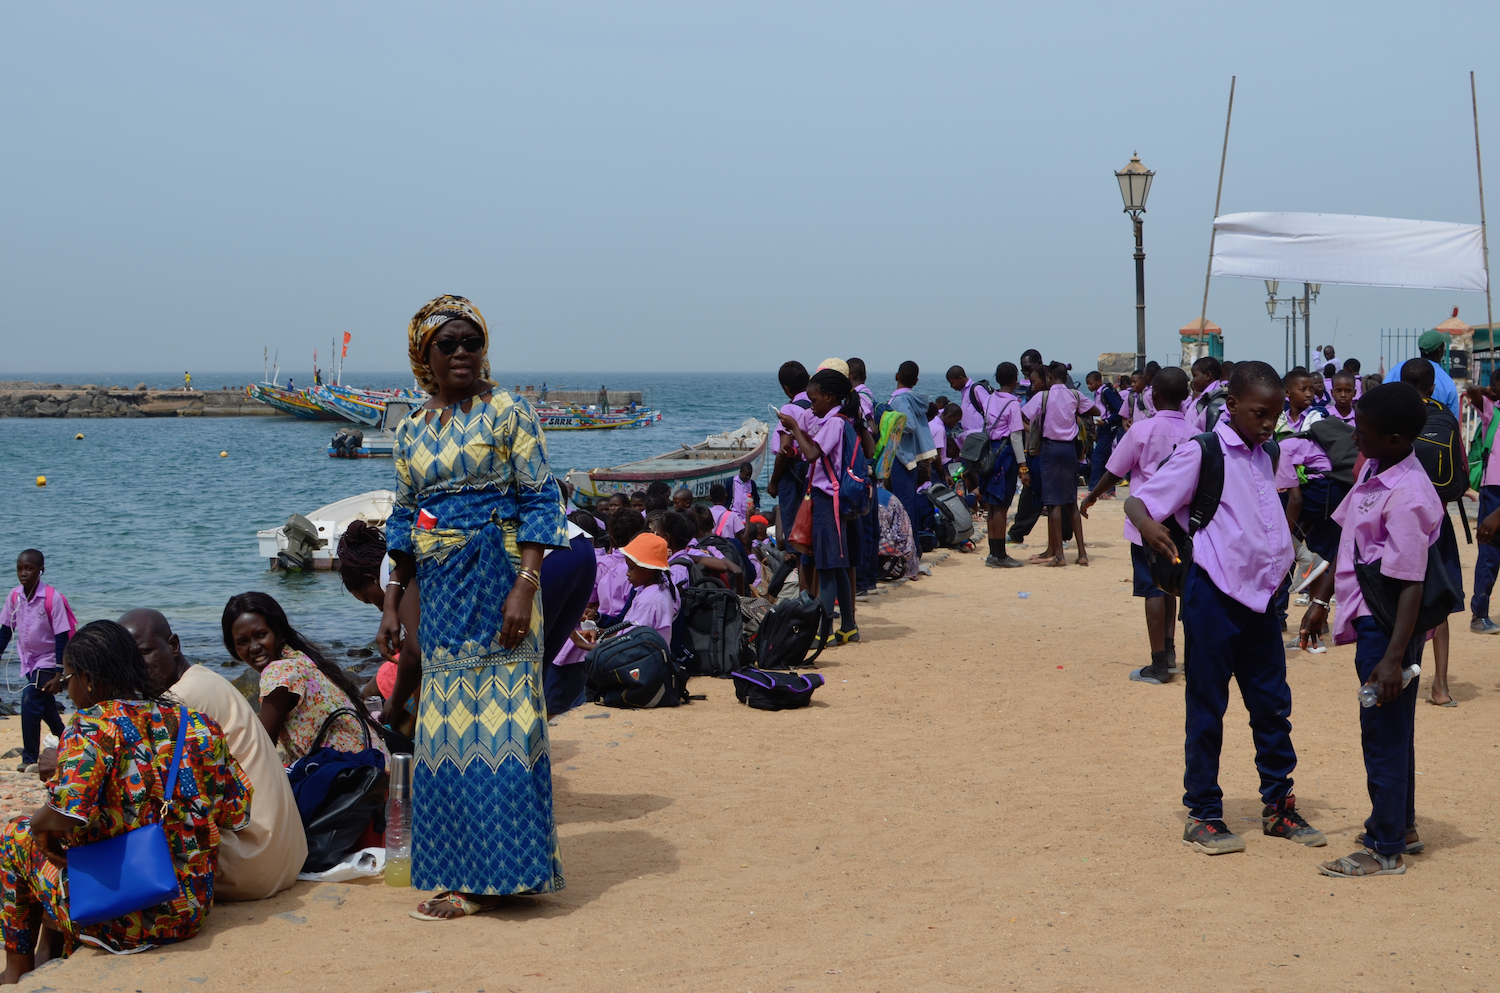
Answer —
89 400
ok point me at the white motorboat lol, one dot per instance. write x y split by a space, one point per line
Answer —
293 545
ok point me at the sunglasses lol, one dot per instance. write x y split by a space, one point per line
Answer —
473 344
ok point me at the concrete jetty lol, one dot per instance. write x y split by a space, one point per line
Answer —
90 400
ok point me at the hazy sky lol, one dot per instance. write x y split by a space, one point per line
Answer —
702 186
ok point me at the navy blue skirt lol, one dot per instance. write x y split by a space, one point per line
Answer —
1059 482
999 488
830 548
1447 546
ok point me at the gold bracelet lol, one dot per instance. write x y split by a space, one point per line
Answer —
531 577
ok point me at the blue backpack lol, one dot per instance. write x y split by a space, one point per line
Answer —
856 497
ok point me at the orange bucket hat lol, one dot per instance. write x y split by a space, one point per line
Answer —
648 551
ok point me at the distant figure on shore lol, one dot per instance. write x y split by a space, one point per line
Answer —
187 381
544 391
264 857
41 620
603 399
291 384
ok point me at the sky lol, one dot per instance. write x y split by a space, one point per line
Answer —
703 186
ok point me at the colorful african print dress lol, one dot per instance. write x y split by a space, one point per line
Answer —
112 767
482 783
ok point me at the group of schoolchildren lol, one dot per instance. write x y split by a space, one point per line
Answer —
1248 487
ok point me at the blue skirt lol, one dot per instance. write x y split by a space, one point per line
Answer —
999 488
1059 473
830 548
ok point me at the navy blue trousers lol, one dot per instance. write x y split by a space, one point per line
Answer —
1104 445
37 707
1387 734
868 571
1225 639
904 488
1489 556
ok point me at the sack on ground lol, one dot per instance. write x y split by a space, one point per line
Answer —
775 690
634 669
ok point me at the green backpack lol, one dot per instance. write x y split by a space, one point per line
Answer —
1479 452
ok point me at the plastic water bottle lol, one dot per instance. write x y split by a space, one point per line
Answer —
398 823
1368 694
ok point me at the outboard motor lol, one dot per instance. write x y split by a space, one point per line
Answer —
301 541
347 442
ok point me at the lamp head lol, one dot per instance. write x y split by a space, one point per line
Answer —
1272 285
1135 185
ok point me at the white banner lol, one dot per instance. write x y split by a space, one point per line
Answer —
1350 250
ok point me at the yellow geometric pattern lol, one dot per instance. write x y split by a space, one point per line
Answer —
486 714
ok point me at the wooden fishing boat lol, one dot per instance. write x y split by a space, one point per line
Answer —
593 419
716 459
365 407
294 402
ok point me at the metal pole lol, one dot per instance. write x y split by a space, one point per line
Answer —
1307 325
1140 298
1223 154
1484 238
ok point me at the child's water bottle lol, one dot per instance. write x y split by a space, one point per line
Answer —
1368 694
398 823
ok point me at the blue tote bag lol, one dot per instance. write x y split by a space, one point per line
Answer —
129 872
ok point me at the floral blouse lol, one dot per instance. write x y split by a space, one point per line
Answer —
318 697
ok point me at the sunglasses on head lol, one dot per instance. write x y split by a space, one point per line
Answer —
473 344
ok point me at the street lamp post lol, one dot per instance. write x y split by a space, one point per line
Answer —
1135 184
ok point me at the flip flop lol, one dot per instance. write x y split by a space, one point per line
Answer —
1451 702
468 907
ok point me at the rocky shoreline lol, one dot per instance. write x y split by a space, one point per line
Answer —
27 399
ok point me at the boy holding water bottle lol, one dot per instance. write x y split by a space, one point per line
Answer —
1391 517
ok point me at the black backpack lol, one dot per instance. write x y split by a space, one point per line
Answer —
952 524
634 669
1440 448
709 630
1212 405
787 632
1337 441
775 690
725 546
1170 576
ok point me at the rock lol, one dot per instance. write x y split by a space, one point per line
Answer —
14 753
47 409
140 386
248 683
359 653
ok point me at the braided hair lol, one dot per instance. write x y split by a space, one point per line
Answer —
837 386
361 552
109 656
267 609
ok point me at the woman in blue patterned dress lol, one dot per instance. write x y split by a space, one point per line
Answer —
476 507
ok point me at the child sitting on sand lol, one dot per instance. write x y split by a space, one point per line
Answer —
1391 517
1239 560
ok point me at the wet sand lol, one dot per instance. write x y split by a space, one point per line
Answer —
978 799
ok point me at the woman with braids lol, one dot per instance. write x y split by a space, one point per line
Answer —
112 764
835 406
476 507
299 688
365 569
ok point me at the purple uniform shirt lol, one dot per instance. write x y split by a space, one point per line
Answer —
802 415
1304 452
612 585
972 418
1004 411
36 630
1349 419
1142 450
828 432
654 606
1491 467
1392 516
1063 407
1247 548
866 401
1196 414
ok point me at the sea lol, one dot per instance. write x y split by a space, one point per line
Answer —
143 512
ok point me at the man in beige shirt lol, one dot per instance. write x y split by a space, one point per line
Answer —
264 858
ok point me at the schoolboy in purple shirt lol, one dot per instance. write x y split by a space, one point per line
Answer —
1240 560
867 573
1392 516
788 480
1145 446
971 400
1003 414
41 628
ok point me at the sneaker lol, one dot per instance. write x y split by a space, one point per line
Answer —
1154 674
1173 666
1483 625
1211 837
1281 820
1303 578
1303 600
996 562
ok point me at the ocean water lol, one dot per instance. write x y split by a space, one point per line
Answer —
144 513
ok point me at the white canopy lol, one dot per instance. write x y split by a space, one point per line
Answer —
1351 250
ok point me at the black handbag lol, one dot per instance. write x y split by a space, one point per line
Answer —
1440 594
978 452
338 795
775 690
1034 434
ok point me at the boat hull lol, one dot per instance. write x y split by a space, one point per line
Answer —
331 521
696 468
349 404
582 420
294 402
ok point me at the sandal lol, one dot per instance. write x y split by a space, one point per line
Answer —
467 908
843 637
1364 863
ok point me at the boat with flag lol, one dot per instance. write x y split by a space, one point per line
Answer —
716 459
294 402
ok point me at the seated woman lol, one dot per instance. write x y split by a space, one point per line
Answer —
112 763
299 688
365 569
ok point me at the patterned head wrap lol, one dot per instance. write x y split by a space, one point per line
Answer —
433 315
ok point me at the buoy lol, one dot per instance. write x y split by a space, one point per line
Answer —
41 480
78 436
223 455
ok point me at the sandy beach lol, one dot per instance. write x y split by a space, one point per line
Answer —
978 799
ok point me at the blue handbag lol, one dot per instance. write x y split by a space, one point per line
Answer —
129 872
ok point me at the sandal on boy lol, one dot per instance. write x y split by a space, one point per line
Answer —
1363 863
466 907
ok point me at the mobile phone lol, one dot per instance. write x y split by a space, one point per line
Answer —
775 411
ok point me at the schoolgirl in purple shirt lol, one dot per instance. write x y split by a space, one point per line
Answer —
1145 446
1231 629
1392 516
1058 408
1002 412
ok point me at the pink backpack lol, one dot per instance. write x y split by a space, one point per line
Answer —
47 594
